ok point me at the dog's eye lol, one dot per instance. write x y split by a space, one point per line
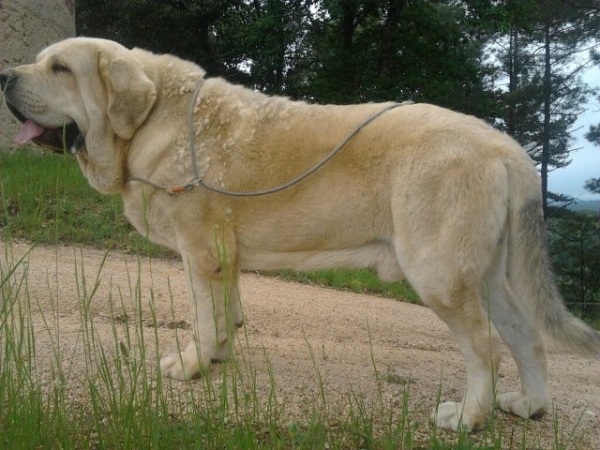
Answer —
59 68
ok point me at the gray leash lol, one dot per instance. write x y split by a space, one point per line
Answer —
198 181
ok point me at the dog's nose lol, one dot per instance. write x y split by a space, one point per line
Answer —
7 77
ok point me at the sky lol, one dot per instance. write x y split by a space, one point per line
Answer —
586 161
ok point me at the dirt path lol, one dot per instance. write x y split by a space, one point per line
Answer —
409 346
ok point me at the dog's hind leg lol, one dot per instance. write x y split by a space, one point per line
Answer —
522 337
447 225
462 311
525 343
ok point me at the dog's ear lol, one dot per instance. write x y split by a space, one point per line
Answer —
131 94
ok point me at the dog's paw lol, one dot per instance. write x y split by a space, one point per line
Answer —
521 405
176 366
452 416
222 353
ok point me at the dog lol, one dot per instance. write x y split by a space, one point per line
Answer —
415 191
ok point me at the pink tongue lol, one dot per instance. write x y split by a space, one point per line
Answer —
30 130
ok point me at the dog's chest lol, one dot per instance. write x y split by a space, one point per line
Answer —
151 218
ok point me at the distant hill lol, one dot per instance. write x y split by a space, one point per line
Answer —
586 205
580 205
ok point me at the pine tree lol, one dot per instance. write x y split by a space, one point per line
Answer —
545 91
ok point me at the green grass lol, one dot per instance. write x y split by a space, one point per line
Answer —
122 401
116 399
360 281
45 199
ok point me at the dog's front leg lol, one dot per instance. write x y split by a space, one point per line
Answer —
216 315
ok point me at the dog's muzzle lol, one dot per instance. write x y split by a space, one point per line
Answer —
61 139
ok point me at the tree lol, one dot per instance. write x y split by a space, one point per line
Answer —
264 39
545 91
575 249
593 185
593 135
335 51
181 27
424 51
349 51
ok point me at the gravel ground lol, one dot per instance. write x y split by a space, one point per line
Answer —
295 334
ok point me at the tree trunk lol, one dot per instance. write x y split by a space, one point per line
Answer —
390 27
513 52
27 26
348 25
547 97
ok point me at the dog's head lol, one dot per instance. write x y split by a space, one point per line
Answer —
76 89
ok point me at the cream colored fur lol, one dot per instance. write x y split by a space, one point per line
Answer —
423 191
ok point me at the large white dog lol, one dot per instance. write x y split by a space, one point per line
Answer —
421 191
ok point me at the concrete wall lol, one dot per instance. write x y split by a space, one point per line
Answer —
26 27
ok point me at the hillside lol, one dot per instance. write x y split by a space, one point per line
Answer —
586 205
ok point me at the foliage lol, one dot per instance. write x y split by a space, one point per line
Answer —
541 57
454 54
326 51
593 185
593 135
575 247
266 41
420 51
183 28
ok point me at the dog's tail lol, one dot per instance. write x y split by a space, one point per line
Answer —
529 268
